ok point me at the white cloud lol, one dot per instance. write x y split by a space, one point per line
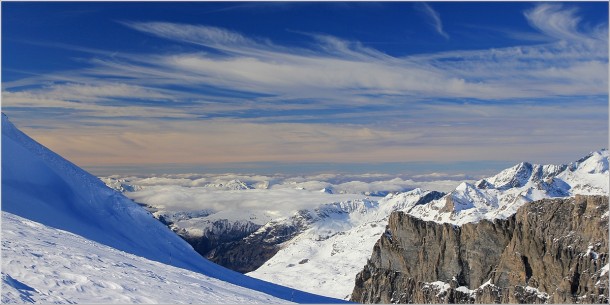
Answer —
349 68
287 194
434 17
209 36
283 201
559 22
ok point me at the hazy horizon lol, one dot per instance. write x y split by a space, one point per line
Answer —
468 169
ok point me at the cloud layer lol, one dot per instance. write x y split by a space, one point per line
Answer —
280 194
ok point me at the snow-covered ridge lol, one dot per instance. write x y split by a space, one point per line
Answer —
500 196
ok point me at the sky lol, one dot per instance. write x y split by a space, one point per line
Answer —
269 87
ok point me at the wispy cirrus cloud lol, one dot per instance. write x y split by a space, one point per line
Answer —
208 36
433 17
333 68
336 64
246 99
562 23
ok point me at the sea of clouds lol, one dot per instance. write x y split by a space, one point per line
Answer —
279 195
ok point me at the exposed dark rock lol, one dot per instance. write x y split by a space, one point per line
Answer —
484 184
217 240
430 196
550 251
245 246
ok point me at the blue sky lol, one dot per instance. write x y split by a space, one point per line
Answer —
373 86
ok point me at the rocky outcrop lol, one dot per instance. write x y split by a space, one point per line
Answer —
218 238
244 246
252 251
550 251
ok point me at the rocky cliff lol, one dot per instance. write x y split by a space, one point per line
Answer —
242 245
550 251
219 235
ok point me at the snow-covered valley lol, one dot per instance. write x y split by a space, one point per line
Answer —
240 221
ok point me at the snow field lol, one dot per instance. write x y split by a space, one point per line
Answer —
41 264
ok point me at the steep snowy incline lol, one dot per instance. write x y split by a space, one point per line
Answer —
41 264
41 186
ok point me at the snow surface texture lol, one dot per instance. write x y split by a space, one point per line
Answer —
329 263
41 186
41 264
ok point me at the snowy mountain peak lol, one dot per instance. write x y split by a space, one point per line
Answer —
407 200
595 162
232 185
464 187
501 195
515 176
416 192
467 196
318 258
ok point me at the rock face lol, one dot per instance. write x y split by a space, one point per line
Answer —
550 251
218 238
244 246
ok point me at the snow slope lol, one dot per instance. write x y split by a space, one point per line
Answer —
41 186
327 256
46 265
